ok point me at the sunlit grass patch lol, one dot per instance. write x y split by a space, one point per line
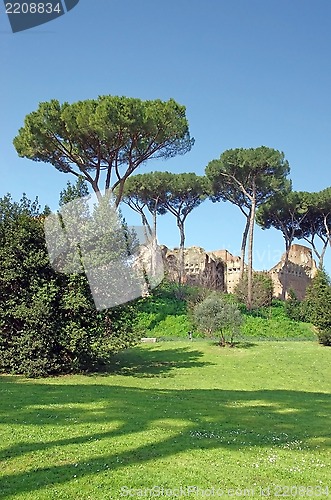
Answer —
171 414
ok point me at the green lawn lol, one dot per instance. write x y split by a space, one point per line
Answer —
173 414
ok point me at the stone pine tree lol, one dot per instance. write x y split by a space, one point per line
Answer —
286 212
104 140
142 193
182 193
165 192
318 223
248 178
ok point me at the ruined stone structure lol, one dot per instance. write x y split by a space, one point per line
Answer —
220 270
201 268
297 275
232 268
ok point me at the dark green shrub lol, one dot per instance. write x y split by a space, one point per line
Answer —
324 336
317 306
293 307
48 322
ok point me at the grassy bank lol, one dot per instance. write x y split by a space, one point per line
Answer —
165 316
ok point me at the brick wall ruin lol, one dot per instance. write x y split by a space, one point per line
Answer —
299 271
220 270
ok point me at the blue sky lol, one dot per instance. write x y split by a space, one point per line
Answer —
250 73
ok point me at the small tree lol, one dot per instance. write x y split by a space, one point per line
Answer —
317 306
262 290
217 316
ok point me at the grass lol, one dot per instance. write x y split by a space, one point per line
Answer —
172 415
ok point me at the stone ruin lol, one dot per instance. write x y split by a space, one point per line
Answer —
300 270
201 268
220 270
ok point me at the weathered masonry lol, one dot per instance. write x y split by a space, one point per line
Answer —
220 270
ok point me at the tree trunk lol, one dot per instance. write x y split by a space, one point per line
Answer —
147 228
320 256
250 255
154 223
327 229
243 247
97 191
288 243
120 193
180 225
321 259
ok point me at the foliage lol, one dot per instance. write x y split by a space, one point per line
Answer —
29 293
109 136
294 307
74 191
302 215
272 323
317 305
164 314
248 178
48 321
317 223
165 192
176 326
285 212
141 192
216 316
262 290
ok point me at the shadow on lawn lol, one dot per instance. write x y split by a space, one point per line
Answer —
211 419
151 362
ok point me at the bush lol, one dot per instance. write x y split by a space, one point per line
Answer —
324 336
48 322
317 305
262 290
294 308
216 316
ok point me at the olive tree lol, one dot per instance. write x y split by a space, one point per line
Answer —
217 316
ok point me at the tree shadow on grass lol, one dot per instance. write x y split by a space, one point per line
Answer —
240 344
198 419
149 361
